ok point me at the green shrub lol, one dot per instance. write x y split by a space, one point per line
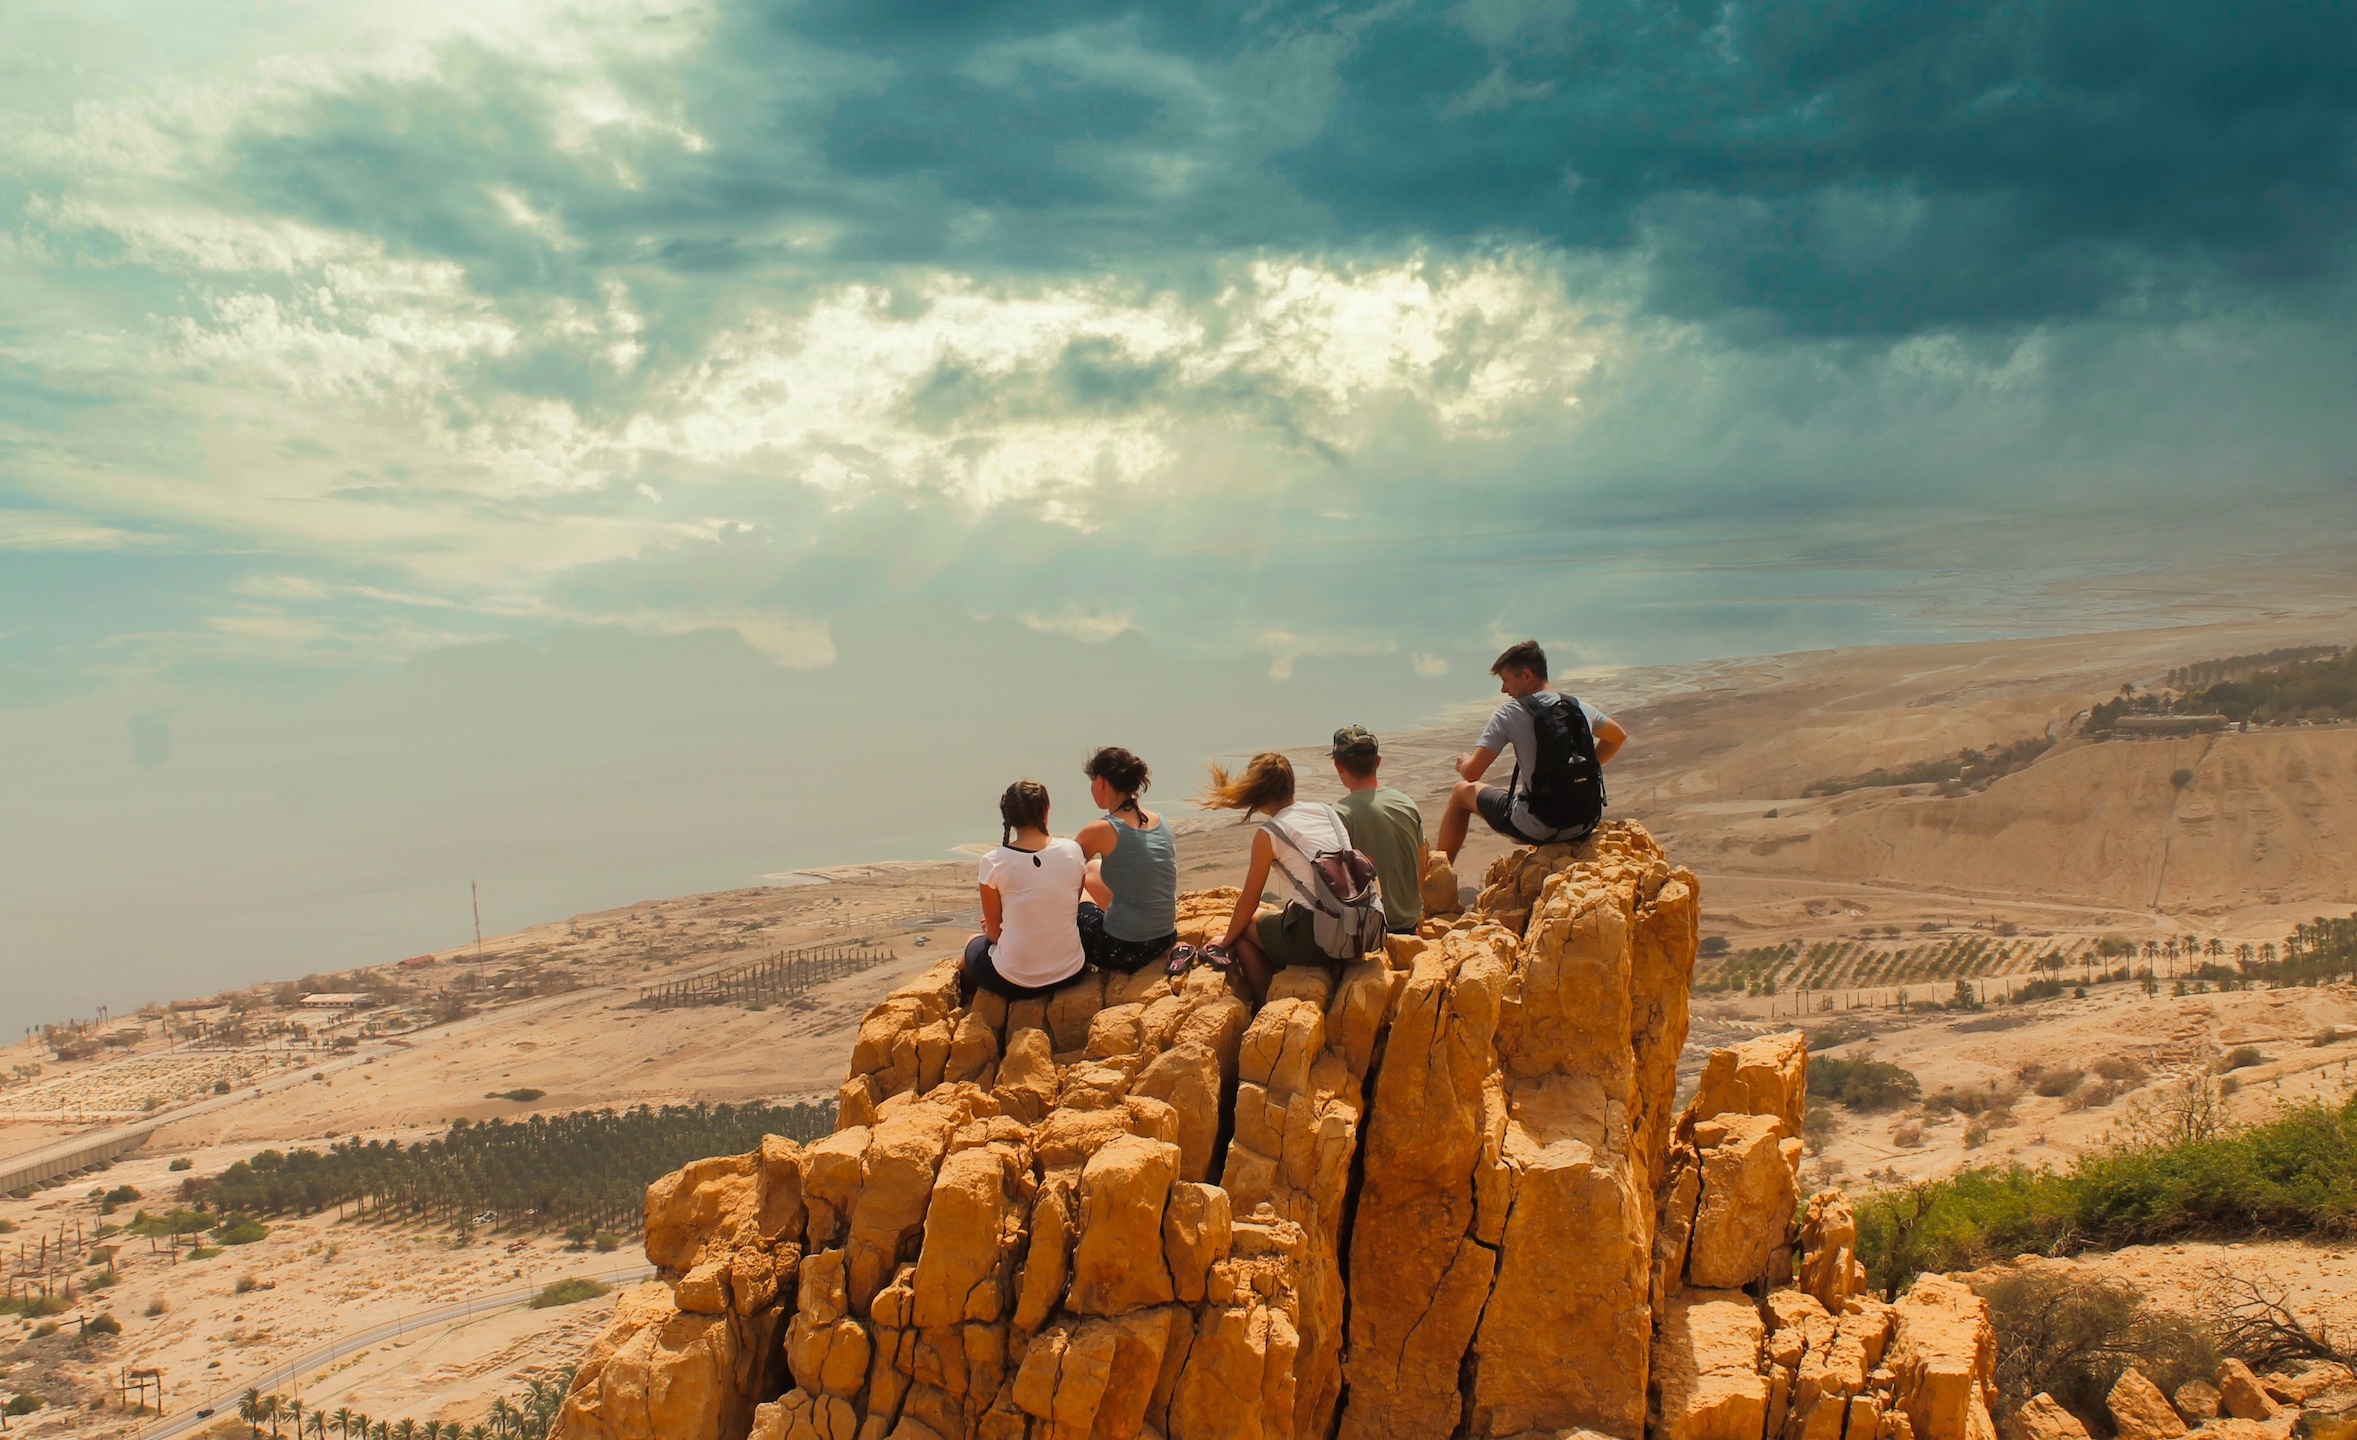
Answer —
2295 1174
239 1230
1862 1084
104 1325
204 1252
1817 1128
183 1163
522 1094
25 1404
608 1242
569 1292
32 1307
2241 1057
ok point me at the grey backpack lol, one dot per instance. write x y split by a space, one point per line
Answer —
1346 913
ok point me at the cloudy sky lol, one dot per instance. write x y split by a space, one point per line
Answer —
336 339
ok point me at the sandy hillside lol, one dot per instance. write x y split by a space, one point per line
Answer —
2091 839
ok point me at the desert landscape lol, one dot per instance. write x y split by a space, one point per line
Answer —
1986 930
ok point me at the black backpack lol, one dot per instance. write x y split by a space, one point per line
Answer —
1566 788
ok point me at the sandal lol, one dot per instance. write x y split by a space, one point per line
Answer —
1181 956
1216 956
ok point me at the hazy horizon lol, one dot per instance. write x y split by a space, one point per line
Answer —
516 441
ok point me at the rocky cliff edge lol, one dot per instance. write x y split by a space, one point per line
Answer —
1443 1194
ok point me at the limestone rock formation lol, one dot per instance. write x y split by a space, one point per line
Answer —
2196 1401
2139 1410
1442 1191
2239 1394
2042 1418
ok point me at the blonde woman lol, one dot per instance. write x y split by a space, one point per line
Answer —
1265 945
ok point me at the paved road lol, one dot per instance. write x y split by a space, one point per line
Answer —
278 1377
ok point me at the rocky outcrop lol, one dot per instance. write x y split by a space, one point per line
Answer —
2042 1418
1444 1191
2139 1411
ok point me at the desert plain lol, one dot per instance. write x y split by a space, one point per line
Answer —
1879 899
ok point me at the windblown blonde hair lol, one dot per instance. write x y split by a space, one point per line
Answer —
1266 785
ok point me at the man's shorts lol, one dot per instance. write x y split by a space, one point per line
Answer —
1288 938
1496 805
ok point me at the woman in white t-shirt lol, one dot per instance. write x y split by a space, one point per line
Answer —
1268 944
1031 893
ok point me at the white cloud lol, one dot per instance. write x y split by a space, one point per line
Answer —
1093 623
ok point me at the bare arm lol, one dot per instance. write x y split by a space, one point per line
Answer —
1475 763
1256 879
990 912
1096 838
1609 738
1093 884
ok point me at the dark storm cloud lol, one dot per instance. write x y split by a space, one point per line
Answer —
1867 166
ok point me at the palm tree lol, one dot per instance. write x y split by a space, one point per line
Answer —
249 1409
477 1432
343 1419
503 1416
294 1412
406 1430
382 1431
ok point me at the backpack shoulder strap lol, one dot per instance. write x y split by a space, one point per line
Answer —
1279 835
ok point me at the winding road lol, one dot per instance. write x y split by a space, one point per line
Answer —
224 1401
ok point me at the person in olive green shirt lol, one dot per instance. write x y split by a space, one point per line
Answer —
1384 825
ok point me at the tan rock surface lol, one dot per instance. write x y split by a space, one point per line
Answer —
2196 1401
1706 1369
2240 1395
2139 1410
1750 1186
2042 1418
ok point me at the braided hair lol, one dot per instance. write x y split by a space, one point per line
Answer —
1023 806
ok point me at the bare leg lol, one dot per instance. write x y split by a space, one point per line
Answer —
1458 819
1254 962
966 982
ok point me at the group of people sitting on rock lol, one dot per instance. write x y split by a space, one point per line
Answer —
1352 872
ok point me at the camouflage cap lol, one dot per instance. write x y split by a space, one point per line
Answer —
1354 740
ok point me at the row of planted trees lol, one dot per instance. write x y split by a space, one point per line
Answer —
528 1416
589 1167
2321 949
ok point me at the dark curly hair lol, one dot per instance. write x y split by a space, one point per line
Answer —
1023 805
1122 770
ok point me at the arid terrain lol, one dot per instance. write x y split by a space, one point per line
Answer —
2231 837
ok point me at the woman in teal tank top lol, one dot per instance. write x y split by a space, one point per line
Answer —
1134 855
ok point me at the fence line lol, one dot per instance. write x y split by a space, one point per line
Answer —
774 977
